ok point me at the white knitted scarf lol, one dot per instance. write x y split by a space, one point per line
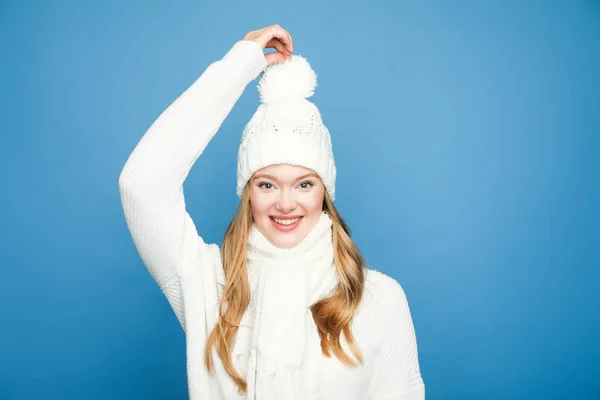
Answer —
277 344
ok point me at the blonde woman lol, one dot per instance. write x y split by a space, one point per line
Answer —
286 307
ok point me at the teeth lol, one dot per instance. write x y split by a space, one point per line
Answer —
286 221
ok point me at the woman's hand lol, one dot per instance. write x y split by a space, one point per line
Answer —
276 37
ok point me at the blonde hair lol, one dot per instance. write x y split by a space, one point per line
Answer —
332 315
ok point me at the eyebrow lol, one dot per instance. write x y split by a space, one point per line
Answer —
275 179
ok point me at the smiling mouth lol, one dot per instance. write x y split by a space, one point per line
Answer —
285 221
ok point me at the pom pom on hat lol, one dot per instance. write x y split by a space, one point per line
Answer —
288 80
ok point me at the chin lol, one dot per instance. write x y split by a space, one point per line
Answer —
285 240
286 243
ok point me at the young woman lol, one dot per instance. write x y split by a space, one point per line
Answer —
286 308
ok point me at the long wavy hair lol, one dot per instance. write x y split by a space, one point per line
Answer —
332 315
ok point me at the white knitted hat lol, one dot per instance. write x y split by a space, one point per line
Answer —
286 128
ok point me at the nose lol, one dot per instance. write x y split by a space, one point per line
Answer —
286 202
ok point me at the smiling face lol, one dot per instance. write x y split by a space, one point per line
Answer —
286 203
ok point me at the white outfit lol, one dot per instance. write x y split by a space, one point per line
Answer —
277 347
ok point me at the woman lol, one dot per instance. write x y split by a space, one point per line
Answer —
286 308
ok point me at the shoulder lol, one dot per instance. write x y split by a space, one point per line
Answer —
393 315
384 293
382 285
203 262
215 256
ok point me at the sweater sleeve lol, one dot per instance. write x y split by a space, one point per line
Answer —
397 375
151 181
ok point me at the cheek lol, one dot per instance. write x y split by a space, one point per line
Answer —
259 203
314 203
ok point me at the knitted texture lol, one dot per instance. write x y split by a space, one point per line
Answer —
190 273
278 328
287 128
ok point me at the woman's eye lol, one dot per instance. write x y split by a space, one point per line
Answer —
268 186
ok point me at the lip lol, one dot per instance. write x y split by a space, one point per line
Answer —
286 216
286 228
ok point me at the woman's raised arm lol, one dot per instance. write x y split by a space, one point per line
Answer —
151 182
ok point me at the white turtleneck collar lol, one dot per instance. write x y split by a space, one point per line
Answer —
269 348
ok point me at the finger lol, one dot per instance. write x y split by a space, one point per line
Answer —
275 57
283 36
289 40
259 36
277 45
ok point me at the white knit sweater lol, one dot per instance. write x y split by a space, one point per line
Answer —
190 273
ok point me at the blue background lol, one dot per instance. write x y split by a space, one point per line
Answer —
466 136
